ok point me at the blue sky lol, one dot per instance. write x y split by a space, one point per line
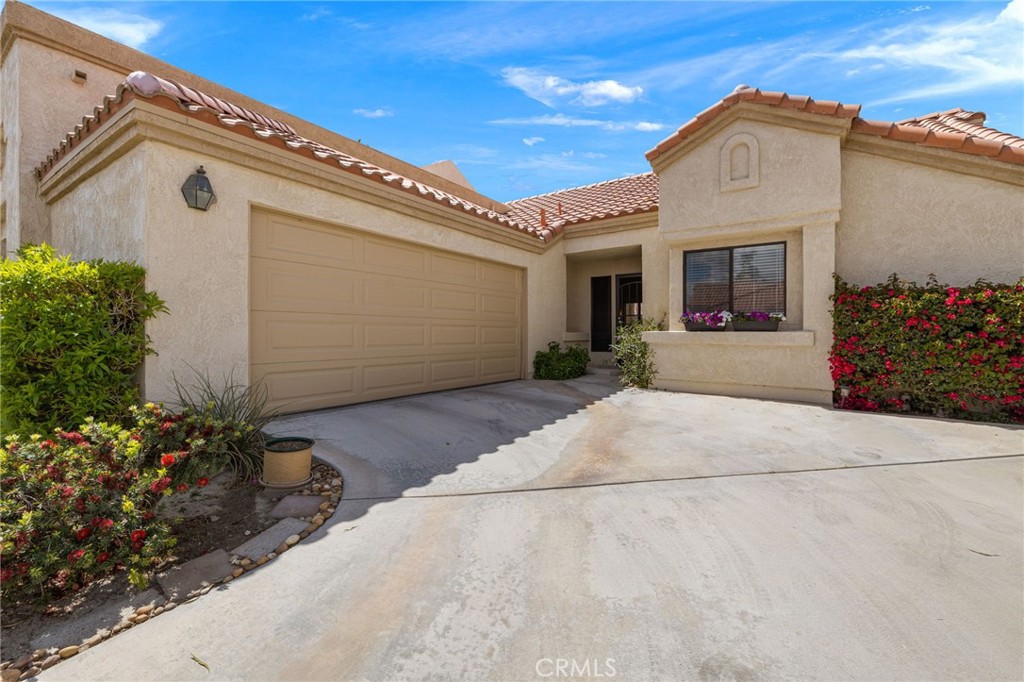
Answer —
531 97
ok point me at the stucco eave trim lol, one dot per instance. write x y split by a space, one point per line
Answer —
639 221
814 123
112 140
941 159
783 223
147 121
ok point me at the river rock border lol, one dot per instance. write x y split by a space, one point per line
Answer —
326 482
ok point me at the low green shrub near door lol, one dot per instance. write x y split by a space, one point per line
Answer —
933 349
558 364
72 336
633 354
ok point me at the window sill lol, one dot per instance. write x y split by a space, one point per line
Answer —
783 338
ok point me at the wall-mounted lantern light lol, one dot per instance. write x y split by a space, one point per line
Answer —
198 191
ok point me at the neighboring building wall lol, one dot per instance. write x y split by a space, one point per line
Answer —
41 102
916 220
198 261
753 181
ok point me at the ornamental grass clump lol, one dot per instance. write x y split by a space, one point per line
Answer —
934 349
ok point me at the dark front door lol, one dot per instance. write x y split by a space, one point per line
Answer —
628 299
601 314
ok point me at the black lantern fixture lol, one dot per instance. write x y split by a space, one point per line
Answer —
198 191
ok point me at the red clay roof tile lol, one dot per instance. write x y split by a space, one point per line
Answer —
610 199
956 129
257 126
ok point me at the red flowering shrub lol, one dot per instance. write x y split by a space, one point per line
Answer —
949 351
76 506
196 444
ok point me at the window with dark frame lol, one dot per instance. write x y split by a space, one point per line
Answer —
739 279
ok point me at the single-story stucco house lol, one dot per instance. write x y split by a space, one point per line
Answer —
338 274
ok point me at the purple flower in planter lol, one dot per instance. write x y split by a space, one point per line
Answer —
716 318
758 316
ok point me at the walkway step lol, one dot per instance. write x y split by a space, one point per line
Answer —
297 506
267 541
192 575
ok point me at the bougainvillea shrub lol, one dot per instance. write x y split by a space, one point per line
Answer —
77 505
949 351
197 443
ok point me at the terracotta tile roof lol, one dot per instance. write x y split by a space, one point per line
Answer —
257 126
957 129
609 199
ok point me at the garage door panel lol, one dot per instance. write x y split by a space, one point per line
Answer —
386 256
293 389
379 336
397 297
339 317
491 336
282 239
496 304
456 337
454 371
499 368
297 336
285 286
500 276
453 269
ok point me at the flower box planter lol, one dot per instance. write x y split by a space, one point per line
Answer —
755 325
701 327
287 462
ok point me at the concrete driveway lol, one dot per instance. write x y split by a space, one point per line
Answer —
536 530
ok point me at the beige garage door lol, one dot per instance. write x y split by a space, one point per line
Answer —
340 316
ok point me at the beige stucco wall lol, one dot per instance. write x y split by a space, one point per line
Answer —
798 174
794 196
198 261
915 220
105 215
41 103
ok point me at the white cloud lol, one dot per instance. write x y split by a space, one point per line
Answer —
550 90
318 13
134 30
552 162
373 113
530 141
966 55
563 121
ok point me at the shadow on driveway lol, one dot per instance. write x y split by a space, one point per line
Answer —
421 445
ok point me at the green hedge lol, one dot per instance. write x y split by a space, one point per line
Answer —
72 336
558 364
934 349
